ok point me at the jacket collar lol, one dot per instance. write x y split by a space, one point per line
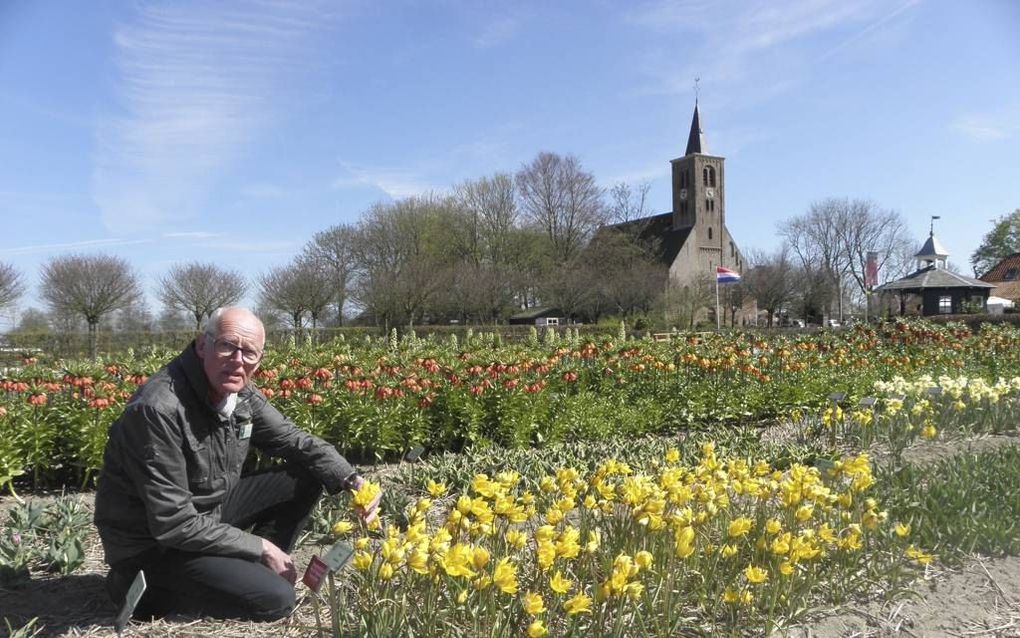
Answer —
195 373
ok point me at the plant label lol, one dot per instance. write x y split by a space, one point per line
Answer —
134 595
414 454
315 573
338 556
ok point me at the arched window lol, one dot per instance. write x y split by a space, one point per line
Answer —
704 175
710 232
711 176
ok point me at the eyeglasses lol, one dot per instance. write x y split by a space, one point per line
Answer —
226 350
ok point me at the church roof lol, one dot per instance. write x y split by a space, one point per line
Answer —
932 277
696 139
657 233
931 248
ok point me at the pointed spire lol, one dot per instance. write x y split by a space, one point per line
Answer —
696 139
931 252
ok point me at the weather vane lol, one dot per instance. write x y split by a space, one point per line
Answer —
697 89
933 218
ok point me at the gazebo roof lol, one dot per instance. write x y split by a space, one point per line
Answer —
932 277
932 249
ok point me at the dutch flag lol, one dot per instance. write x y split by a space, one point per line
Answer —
726 276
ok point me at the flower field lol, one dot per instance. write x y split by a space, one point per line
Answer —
610 487
377 399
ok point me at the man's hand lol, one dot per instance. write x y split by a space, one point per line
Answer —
369 512
279 561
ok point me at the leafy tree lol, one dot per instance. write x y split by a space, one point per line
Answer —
11 285
626 279
404 257
1000 242
89 286
200 288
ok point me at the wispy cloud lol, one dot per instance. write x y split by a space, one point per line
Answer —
196 81
871 29
397 183
989 127
283 247
732 38
197 234
77 245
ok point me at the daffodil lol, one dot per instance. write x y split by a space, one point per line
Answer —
559 583
580 603
505 576
533 603
341 527
755 575
435 489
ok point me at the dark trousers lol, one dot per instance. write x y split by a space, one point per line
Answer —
276 503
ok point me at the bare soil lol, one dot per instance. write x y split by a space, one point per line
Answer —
980 599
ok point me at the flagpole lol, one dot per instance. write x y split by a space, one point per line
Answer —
718 327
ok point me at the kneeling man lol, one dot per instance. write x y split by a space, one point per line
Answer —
171 499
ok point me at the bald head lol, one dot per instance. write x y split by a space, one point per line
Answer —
234 315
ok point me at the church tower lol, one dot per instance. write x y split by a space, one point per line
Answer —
699 194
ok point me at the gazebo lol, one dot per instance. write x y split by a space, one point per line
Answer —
933 289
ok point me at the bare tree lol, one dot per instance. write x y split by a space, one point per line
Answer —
172 320
561 198
683 301
199 288
318 284
492 214
835 235
90 286
11 285
33 320
770 280
627 204
871 229
335 248
304 286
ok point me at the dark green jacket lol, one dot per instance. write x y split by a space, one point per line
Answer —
171 459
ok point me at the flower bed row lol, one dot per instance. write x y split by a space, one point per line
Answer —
376 399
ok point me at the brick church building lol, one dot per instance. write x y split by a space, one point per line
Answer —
692 239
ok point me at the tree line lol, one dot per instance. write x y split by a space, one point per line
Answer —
489 248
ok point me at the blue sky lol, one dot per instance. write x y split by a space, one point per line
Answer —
232 131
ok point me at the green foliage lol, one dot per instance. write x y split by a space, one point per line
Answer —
958 506
48 537
1000 242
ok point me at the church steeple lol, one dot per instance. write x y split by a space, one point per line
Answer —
699 188
696 139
